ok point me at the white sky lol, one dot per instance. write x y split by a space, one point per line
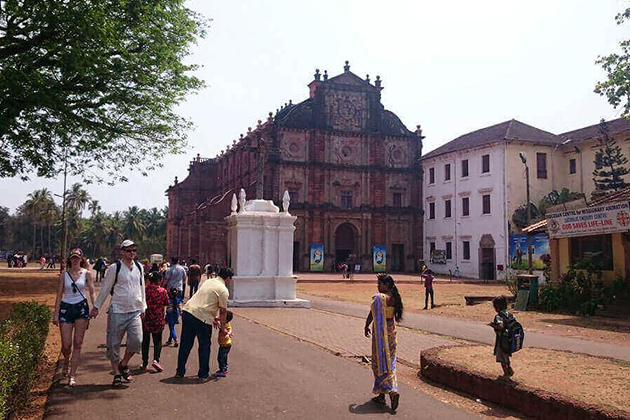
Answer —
452 66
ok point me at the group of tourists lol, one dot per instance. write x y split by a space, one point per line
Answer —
137 309
141 312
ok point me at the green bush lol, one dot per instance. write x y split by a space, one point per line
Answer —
22 338
581 290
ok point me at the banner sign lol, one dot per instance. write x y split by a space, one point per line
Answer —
438 256
518 251
379 259
598 220
317 257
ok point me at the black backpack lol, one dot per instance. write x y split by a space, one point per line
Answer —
513 335
118 265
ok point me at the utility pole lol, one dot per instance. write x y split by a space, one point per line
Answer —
529 215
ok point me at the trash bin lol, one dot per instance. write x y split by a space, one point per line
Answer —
528 282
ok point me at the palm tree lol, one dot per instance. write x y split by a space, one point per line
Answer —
76 200
37 206
133 223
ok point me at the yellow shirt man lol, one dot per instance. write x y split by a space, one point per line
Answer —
205 304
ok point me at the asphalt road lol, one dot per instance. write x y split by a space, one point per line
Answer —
271 376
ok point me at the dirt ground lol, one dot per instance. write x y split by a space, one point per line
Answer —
449 299
42 287
599 381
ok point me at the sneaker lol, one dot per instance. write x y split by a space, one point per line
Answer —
157 366
220 374
175 343
203 379
179 375
168 343
144 367
125 372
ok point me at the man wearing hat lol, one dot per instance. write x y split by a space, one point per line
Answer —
124 282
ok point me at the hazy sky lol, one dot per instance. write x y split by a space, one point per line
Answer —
451 66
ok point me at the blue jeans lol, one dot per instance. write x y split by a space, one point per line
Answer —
222 358
191 328
172 319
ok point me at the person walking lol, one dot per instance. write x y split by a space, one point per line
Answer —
386 310
124 282
72 311
176 277
153 321
198 317
194 277
428 288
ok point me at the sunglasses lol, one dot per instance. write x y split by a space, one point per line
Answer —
130 250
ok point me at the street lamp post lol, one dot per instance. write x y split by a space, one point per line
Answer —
529 214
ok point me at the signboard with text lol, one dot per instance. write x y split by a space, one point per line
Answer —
598 220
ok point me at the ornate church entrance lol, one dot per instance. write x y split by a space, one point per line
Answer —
344 242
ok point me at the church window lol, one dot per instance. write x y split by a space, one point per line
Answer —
397 199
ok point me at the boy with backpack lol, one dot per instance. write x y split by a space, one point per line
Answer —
509 335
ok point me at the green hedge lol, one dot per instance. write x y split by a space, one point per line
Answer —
22 338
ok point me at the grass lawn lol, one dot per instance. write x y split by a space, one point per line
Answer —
449 299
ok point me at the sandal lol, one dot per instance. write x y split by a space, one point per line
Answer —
117 382
72 382
379 399
394 399
125 372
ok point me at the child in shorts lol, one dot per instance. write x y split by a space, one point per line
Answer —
225 344
501 343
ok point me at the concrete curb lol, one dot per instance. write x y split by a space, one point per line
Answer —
529 401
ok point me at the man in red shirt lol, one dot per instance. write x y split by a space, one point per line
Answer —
428 286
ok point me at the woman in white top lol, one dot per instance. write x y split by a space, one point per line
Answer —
72 311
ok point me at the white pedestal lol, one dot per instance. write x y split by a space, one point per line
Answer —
260 244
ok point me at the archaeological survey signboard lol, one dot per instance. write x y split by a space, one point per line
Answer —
317 257
597 220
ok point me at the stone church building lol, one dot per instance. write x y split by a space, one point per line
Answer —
351 167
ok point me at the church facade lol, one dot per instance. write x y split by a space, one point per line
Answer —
351 167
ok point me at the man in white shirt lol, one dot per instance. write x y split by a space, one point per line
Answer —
124 281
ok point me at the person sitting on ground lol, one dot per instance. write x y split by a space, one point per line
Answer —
428 277
225 344
72 311
197 318
153 321
386 310
501 350
172 315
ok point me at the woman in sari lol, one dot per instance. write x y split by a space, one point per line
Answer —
387 309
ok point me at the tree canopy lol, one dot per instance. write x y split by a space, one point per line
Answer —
96 81
617 66
610 164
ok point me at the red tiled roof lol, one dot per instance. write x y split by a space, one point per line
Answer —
508 130
592 131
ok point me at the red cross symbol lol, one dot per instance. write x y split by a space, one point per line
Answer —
623 218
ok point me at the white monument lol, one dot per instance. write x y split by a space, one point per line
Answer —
260 246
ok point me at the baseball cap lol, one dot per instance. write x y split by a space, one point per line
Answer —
127 243
76 252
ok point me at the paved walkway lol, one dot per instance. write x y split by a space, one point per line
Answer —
271 376
476 331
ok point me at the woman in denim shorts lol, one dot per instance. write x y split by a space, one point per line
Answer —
72 311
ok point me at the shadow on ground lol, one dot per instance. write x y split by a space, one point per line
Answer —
594 323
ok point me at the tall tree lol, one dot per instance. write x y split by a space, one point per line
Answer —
96 82
616 88
610 164
133 224
4 227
